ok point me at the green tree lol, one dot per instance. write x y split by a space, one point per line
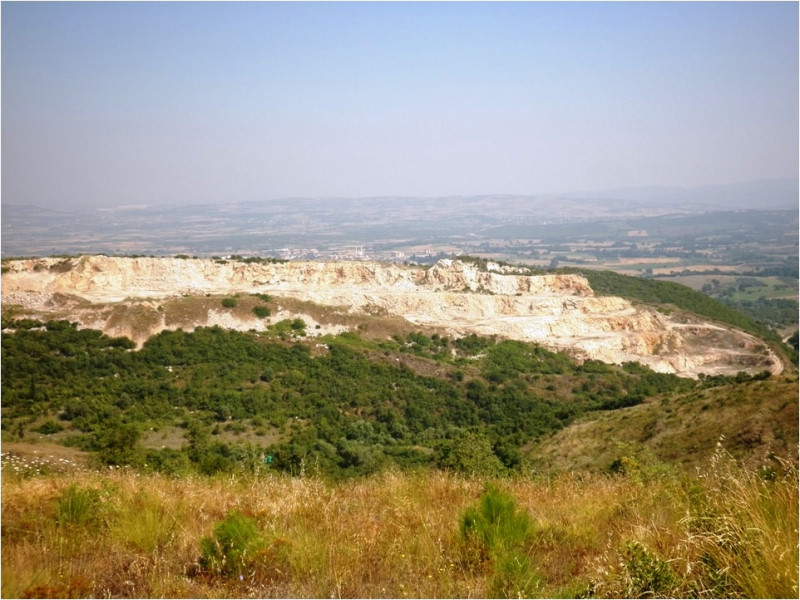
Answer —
116 443
469 453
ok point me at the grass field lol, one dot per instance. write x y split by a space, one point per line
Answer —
648 531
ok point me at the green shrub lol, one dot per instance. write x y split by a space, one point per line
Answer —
49 427
79 507
288 328
117 443
495 524
230 551
261 311
639 464
494 536
229 302
646 575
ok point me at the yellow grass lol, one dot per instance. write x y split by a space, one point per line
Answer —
395 534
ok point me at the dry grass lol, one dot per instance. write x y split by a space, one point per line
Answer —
372 323
139 318
396 535
188 311
756 418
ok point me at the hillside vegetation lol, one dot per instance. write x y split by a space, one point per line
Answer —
219 463
215 400
754 420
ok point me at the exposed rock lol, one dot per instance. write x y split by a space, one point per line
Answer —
556 311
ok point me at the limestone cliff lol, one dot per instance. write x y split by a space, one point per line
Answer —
124 296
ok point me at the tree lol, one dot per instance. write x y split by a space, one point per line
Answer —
117 444
469 453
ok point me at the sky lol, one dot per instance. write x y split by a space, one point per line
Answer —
110 104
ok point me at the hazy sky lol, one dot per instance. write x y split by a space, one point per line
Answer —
108 104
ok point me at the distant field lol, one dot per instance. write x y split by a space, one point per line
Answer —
700 267
774 287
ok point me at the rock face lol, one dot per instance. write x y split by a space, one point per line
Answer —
557 311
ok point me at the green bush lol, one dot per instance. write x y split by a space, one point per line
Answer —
79 507
49 427
469 453
261 311
229 302
495 525
646 575
288 328
117 443
230 551
494 536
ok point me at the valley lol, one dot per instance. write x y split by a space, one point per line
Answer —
399 300
248 397
745 234
599 377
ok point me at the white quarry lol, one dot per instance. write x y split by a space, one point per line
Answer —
124 296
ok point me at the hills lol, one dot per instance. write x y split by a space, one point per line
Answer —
138 297
309 429
358 364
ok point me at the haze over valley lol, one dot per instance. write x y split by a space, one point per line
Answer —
391 227
736 242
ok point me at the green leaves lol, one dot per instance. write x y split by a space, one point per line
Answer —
78 507
469 453
494 537
231 550
349 407
646 575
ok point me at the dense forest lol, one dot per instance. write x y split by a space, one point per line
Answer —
339 406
